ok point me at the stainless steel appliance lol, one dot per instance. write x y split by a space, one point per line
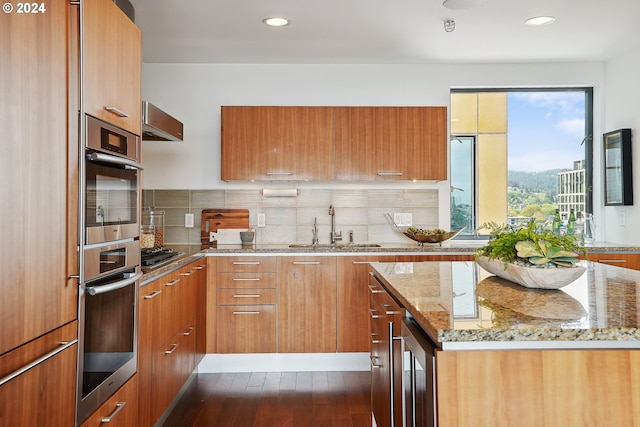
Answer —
158 125
111 183
157 257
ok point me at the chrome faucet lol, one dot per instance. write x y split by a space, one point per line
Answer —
334 237
314 230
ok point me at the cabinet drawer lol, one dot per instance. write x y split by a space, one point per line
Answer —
246 264
121 409
246 280
246 296
246 329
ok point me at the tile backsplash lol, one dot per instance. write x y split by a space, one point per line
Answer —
290 219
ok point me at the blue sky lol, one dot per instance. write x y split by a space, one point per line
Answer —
545 130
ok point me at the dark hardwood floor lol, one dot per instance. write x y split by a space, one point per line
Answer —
276 399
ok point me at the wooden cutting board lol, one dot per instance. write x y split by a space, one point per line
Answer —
214 219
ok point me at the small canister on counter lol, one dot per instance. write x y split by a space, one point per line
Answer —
155 219
147 236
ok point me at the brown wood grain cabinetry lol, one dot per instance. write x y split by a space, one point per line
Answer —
391 143
246 304
307 304
276 143
353 301
112 64
420 258
120 410
619 260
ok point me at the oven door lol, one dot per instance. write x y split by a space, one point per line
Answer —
108 338
111 198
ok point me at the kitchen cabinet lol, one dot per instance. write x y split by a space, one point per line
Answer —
276 143
167 337
306 304
353 301
420 258
120 410
246 304
112 65
391 143
620 260
386 317
43 395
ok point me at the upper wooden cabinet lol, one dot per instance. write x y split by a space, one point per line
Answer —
391 143
112 57
277 143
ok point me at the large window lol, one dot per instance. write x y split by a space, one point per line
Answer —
520 154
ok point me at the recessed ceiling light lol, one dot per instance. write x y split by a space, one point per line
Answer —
462 4
275 22
537 21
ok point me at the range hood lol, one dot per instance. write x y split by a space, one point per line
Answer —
158 125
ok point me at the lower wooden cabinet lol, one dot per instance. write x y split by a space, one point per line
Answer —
45 394
619 260
247 328
120 410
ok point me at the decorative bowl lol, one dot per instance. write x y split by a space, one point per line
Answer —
531 277
432 238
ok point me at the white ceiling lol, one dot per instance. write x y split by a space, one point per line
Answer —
384 31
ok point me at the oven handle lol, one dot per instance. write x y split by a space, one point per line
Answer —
97 290
106 158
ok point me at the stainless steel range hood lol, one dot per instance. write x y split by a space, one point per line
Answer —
158 125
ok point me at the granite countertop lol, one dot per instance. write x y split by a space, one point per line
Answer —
461 306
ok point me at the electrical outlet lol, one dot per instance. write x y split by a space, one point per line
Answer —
262 220
188 220
403 219
622 218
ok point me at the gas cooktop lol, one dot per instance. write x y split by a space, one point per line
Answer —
157 257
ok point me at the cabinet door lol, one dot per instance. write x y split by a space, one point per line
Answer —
112 64
201 309
353 301
391 143
247 328
120 410
421 258
619 260
306 304
277 143
44 395
38 169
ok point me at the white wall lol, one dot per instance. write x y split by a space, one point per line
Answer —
194 93
622 110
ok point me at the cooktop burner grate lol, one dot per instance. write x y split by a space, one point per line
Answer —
154 256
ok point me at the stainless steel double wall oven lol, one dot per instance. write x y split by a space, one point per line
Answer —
110 263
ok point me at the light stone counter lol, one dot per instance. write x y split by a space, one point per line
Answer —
461 306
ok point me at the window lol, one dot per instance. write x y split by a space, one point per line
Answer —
519 154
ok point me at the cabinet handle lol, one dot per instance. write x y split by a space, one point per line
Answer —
373 340
374 316
188 332
116 111
153 294
306 262
375 290
279 173
246 263
246 279
119 407
173 282
389 173
373 364
188 273
246 312
361 262
617 261
172 349
246 296
386 306
63 346
200 267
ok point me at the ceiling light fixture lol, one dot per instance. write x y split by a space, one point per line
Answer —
537 21
449 25
462 4
275 22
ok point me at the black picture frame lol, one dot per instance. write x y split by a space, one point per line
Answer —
618 182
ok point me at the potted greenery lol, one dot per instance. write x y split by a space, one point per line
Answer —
531 256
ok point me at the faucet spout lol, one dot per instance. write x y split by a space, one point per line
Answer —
334 237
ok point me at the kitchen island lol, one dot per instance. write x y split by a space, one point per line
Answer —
508 355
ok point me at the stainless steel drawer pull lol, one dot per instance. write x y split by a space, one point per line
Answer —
374 364
246 296
375 289
173 282
119 407
172 349
279 173
374 316
246 263
116 111
306 262
201 267
619 261
246 312
63 346
374 340
361 262
389 173
188 332
246 279
153 295
188 273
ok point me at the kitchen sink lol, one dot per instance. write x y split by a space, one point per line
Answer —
328 245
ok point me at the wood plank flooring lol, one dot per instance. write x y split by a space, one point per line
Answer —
276 399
